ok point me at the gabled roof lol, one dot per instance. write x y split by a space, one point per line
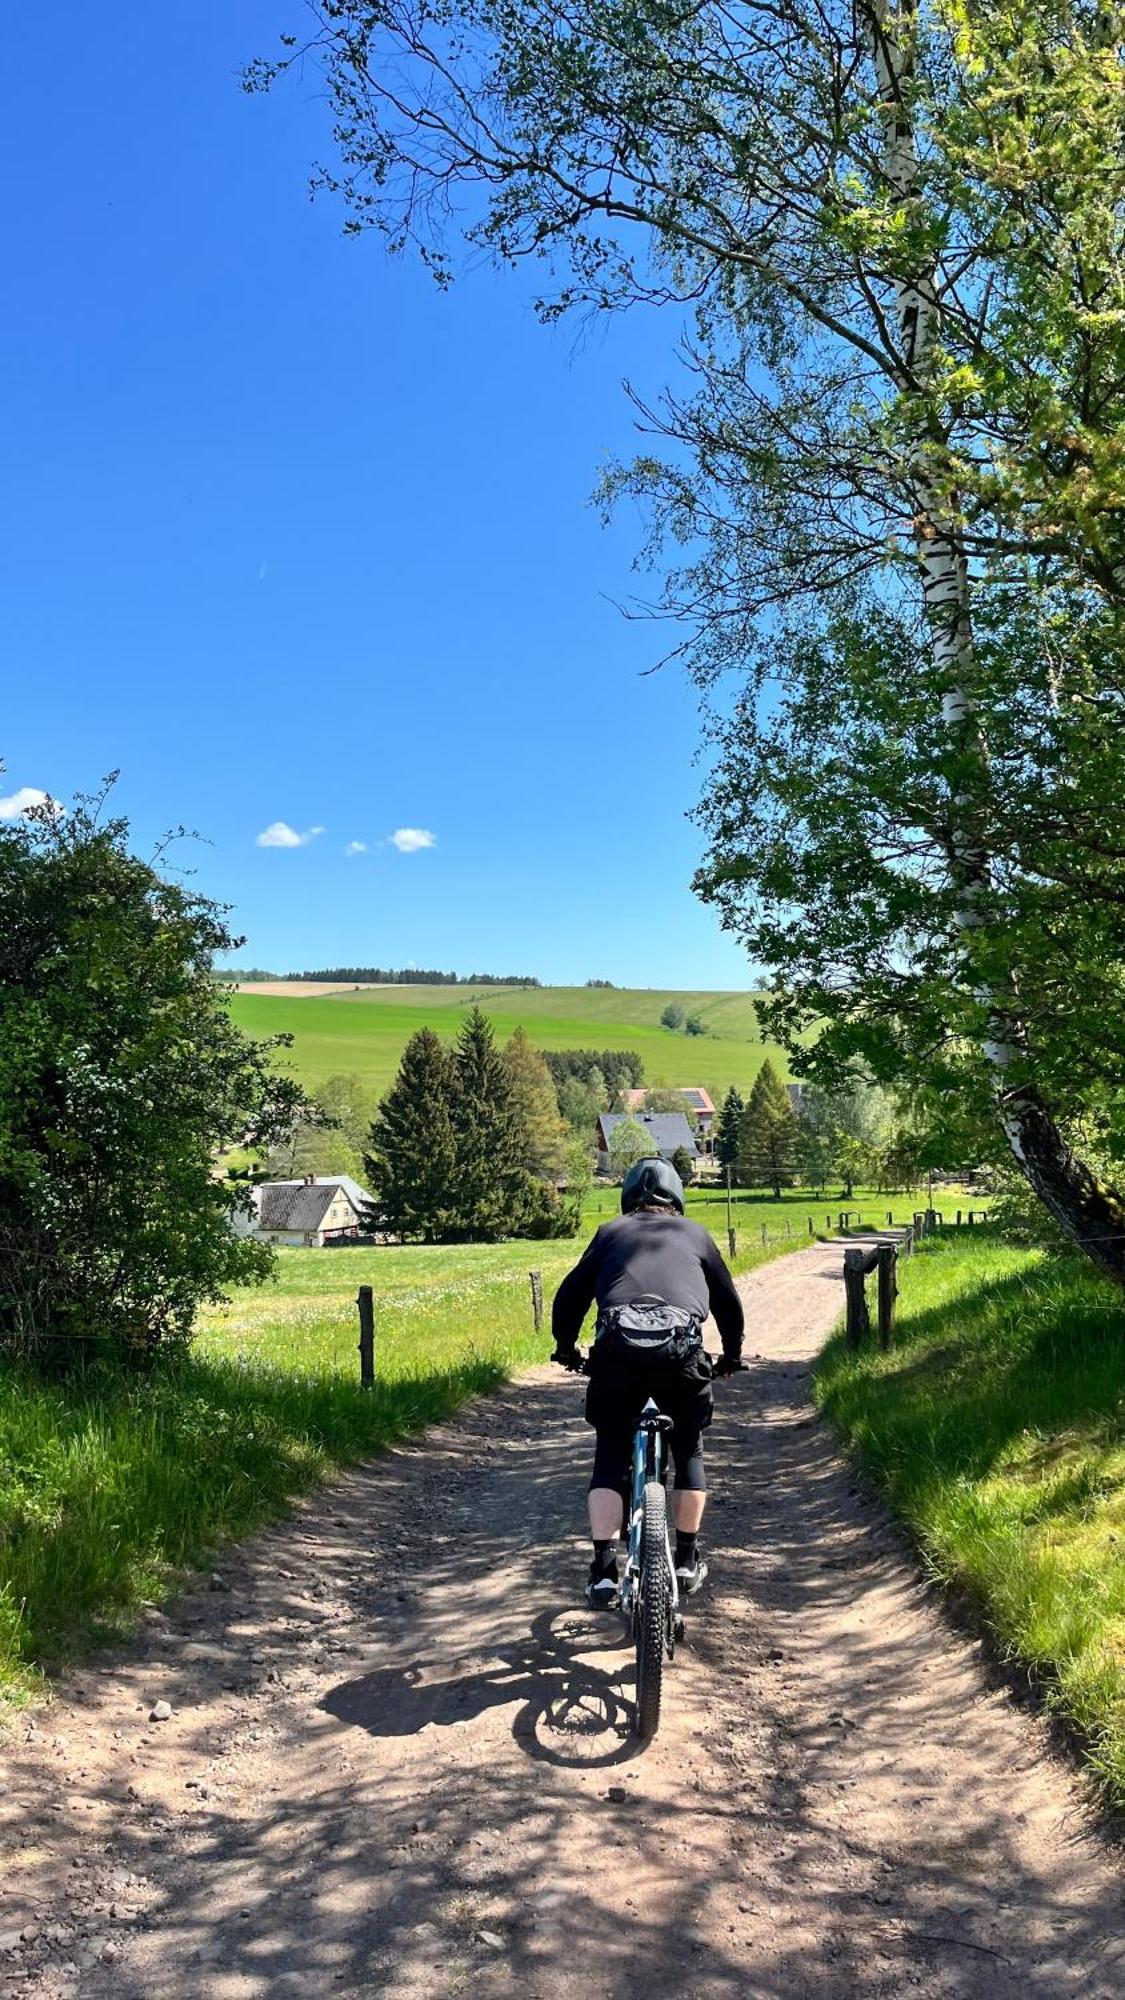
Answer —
303 1205
668 1130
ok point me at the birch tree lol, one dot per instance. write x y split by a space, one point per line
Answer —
899 234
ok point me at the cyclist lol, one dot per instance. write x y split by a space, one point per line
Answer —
654 1275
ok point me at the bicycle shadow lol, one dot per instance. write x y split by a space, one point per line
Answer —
570 1710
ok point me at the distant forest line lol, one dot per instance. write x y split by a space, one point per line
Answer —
378 975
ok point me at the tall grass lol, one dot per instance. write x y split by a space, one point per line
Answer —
996 1429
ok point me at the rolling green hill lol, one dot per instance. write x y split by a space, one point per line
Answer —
365 1032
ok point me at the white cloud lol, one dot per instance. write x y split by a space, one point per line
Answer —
409 839
356 847
17 803
280 834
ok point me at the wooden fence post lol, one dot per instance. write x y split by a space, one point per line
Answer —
366 1303
788 1227
537 1299
812 1231
888 1291
908 1240
958 1218
919 1225
732 1243
858 1322
765 1233
890 1217
931 1221
970 1218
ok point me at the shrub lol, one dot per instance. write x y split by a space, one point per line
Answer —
121 1076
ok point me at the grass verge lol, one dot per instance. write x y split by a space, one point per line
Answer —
996 1430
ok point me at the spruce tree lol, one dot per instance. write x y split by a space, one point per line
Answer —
535 1100
489 1139
726 1127
767 1133
411 1161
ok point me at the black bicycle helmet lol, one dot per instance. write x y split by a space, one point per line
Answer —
652 1183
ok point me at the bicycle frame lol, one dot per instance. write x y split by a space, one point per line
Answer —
648 1463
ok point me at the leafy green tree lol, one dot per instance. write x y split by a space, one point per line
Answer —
490 1142
412 1157
330 1137
816 1138
346 1100
900 229
536 1104
684 1163
767 1134
839 1134
617 1069
726 1128
672 1016
662 1098
121 1078
580 1160
695 1025
628 1143
580 1105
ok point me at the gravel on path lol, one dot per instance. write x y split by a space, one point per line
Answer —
398 1758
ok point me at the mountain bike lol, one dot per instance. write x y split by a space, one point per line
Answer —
649 1595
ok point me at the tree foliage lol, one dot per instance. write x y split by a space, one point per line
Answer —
902 234
767 1134
121 1078
727 1125
628 1143
536 1106
840 1133
329 1137
455 1146
617 1069
411 1161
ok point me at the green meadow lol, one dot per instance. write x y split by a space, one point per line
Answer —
365 1032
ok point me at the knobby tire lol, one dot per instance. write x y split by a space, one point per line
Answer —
652 1609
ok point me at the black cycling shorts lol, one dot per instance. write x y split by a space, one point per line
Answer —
621 1382
613 1459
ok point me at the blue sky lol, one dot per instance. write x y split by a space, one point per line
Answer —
294 539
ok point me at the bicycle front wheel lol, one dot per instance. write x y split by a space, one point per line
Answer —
651 1612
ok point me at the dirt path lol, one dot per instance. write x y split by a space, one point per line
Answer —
394 1767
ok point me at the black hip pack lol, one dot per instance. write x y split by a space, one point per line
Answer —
651 1329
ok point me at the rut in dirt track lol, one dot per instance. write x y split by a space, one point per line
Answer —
400 1759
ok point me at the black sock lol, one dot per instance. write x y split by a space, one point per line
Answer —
605 1554
685 1550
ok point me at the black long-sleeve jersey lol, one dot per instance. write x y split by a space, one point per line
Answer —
646 1255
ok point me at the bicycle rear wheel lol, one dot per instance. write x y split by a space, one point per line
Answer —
651 1614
